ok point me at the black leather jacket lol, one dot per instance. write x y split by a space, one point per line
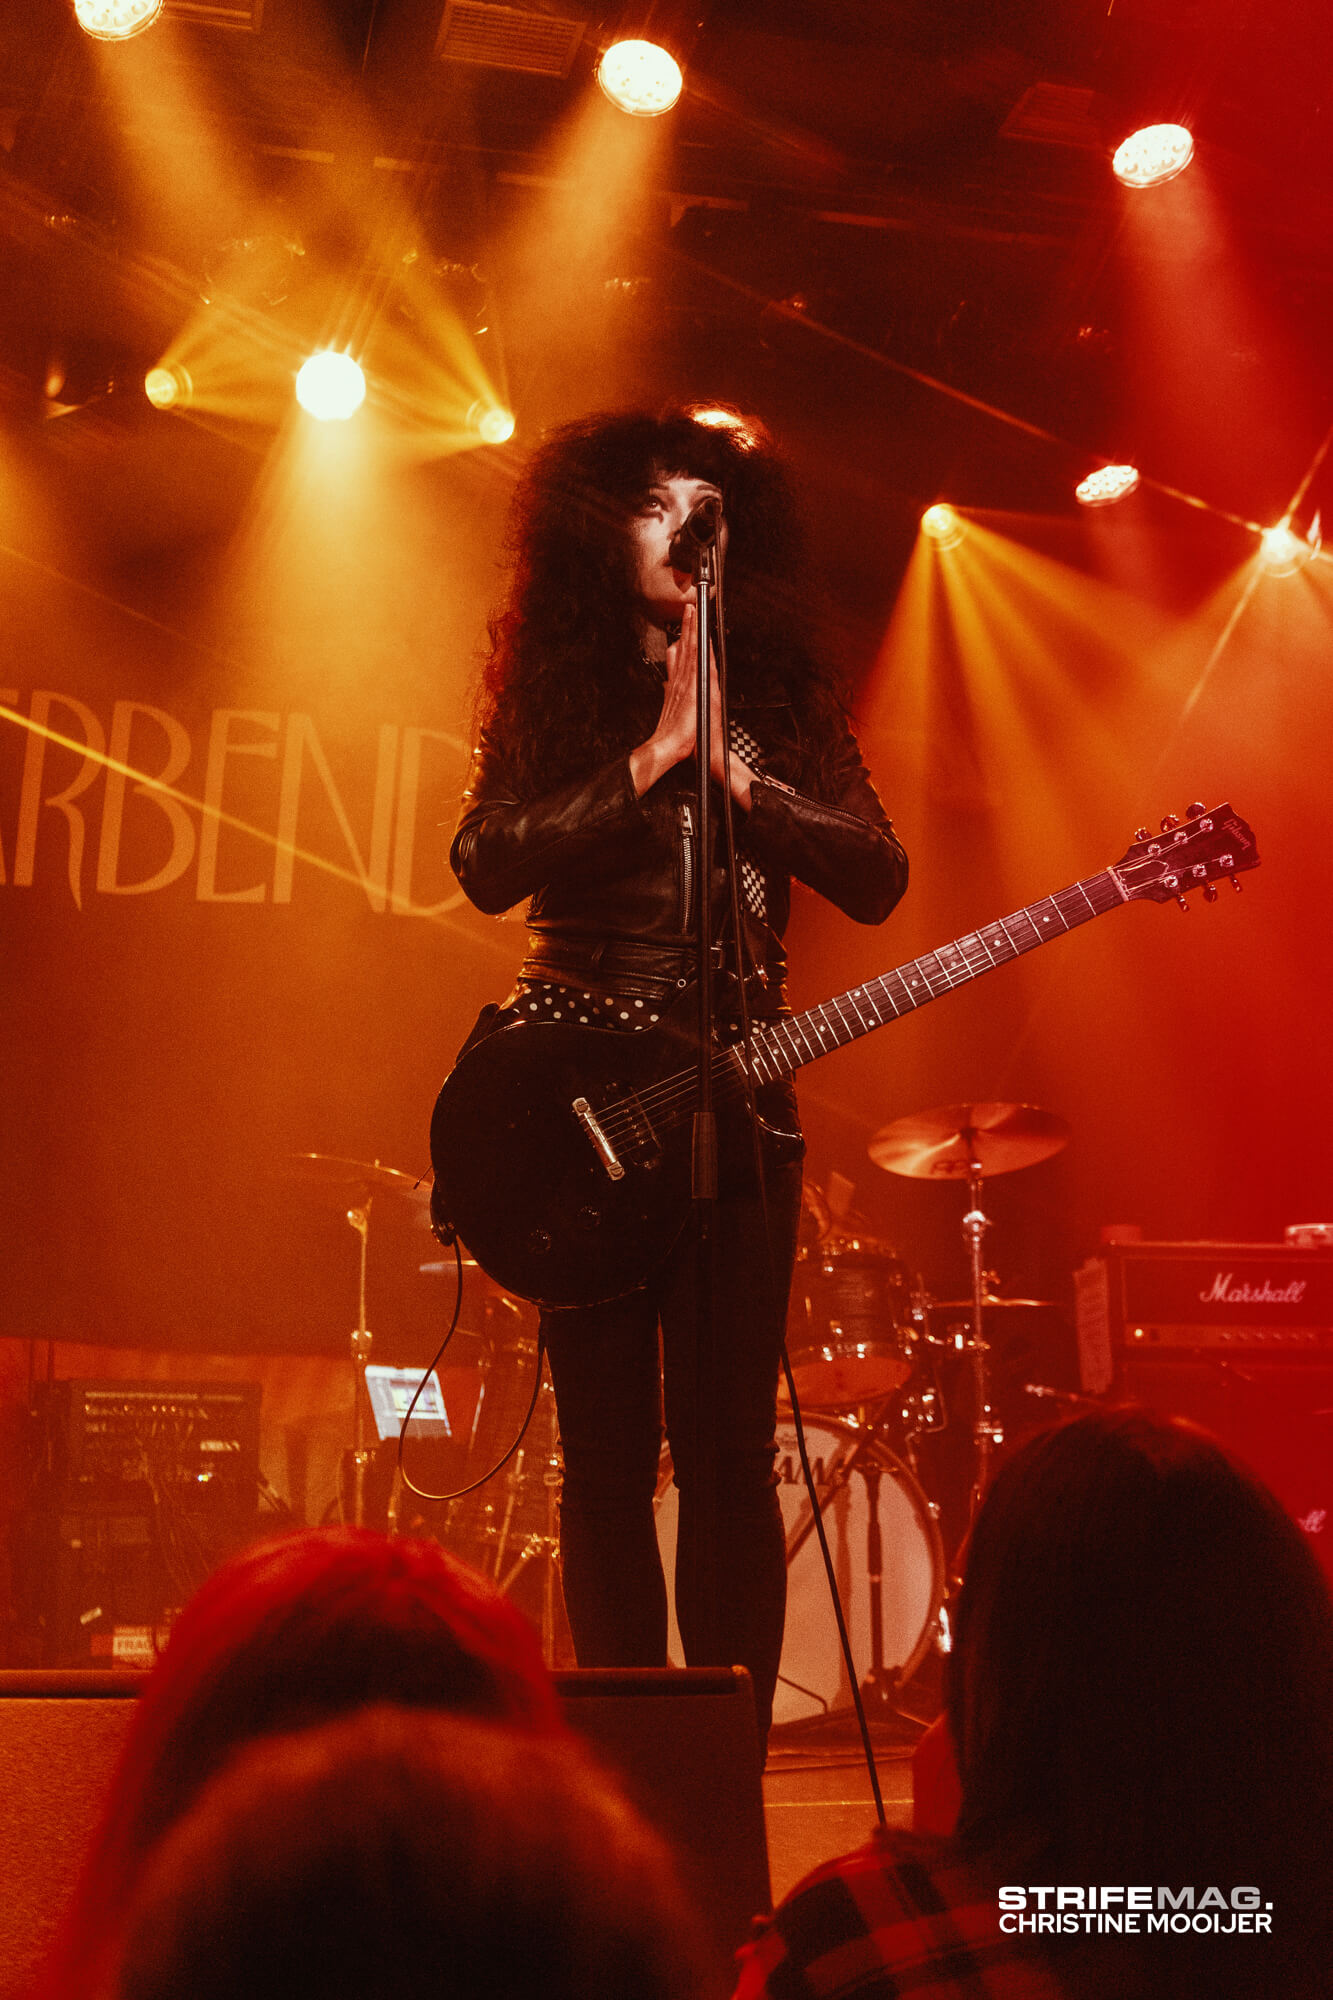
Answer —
612 878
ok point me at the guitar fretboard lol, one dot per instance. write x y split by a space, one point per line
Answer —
779 1047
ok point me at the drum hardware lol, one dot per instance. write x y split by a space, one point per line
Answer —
1068 1399
353 1185
512 1522
538 1545
971 1141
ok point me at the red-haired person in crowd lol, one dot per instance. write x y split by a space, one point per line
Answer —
396 1855
286 1634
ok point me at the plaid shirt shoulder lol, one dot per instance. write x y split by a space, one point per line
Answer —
899 1916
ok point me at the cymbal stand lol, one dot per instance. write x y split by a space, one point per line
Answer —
882 1685
986 1432
359 1219
544 1546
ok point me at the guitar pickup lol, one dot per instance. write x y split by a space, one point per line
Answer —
606 1152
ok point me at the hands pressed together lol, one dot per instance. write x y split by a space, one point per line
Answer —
672 741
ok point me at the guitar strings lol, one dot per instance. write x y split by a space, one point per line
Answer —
672 1096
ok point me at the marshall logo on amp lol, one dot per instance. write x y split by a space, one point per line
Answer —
1228 1290
1181 1298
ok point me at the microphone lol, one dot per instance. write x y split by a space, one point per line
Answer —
699 530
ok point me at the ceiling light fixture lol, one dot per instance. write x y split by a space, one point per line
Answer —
1154 154
116 20
942 526
492 422
640 77
1106 485
1282 551
168 388
331 387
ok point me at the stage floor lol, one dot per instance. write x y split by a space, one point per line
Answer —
818 1804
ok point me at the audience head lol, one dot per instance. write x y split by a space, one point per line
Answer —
1141 1688
399 1854
293 1632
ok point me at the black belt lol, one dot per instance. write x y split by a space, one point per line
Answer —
645 971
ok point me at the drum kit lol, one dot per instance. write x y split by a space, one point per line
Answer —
873 1357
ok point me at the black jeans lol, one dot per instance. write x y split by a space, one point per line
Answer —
720 1408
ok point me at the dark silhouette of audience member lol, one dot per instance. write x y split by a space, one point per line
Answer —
286 1634
1140 1695
397 1855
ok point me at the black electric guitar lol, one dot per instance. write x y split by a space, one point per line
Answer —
561 1153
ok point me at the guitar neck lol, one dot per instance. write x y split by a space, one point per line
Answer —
786 1045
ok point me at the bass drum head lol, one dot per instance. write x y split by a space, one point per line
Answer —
812 1679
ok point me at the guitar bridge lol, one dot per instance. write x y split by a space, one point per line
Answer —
605 1151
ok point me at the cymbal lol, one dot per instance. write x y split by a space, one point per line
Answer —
938 1144
352 1181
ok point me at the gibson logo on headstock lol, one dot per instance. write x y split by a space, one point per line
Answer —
1223 1292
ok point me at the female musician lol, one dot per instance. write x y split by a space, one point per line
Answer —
581 799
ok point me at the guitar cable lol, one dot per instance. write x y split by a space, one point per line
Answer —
461 1492
742 980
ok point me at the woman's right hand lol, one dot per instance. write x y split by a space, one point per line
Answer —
672 741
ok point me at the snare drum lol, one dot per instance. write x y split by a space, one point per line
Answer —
812 1679
849 1329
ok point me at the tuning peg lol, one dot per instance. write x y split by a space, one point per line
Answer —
1210 892
1196 811
1184 903
1237 884
1169 822
1141 833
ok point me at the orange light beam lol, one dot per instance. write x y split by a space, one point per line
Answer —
866 353
1309 478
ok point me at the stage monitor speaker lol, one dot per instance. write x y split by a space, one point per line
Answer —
681 1741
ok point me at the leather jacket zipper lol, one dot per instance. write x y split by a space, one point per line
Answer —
686 865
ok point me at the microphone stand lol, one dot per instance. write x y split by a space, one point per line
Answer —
704 1156
703 1183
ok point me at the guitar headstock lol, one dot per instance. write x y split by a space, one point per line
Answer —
1194 853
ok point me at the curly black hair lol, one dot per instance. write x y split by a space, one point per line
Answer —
564 687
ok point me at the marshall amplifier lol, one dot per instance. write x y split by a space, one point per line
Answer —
1237 1337
1177 1300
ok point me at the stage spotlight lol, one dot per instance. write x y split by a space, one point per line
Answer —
1152 155
1105 486
116 20
168 388
719 418
942 526
331 387
1282 551
642 78
492 422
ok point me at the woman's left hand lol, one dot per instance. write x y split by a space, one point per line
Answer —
726 769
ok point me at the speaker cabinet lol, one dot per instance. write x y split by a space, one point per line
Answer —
681 1741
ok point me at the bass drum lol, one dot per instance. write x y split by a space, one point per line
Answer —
812 1680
